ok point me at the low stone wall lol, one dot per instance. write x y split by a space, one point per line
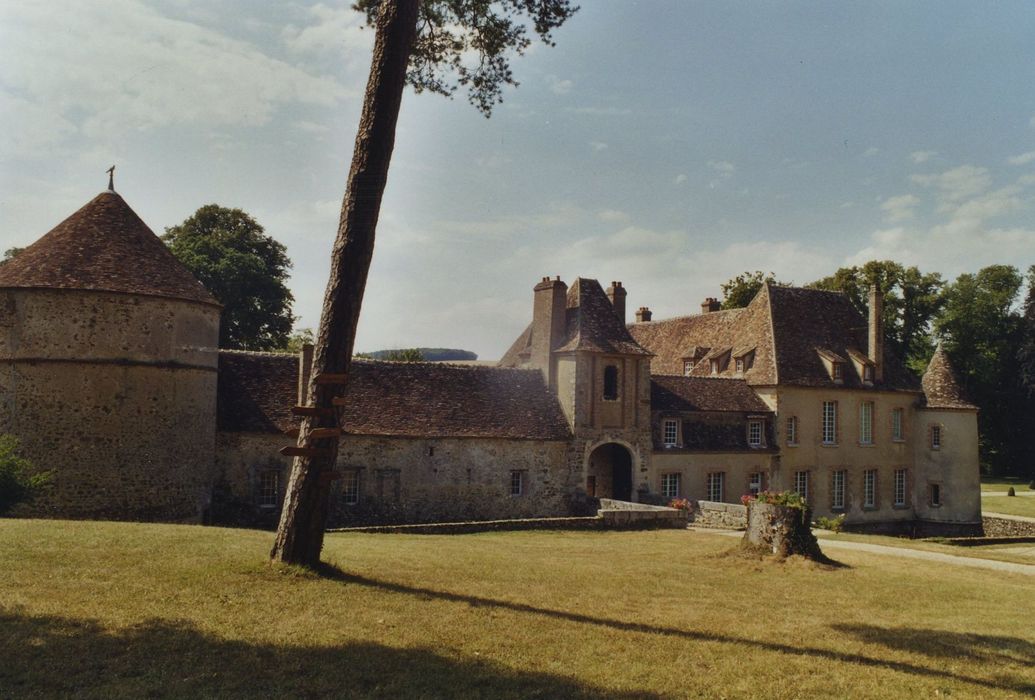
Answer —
586 523
1001 527
623 515
723 516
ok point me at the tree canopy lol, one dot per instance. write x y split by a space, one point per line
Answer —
246 270
740 290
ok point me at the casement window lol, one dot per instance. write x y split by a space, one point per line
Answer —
900 487
517 482
350 487
896 424
269 489
756 433
830 422
792 430
688 367
671 485
870 488
739 365
716 486
610 383
801 484
838 372
837 490
866 423
714 366
936 437
671 433
868 374
755 483
936 495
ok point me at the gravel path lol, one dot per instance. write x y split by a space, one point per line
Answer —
1028 569
1004 516
1018 494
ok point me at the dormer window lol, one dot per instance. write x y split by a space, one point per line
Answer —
838 372
715 366
671 433
610 383
739 364
868 374
756 433
688 367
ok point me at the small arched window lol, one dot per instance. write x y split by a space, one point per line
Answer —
610 383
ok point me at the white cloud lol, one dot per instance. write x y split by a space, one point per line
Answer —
335 31
613 215
598 146
871 152
558 86
958 183
899 208
922 156
1022 159
680 179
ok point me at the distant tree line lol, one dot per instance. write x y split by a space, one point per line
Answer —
985 322
421 355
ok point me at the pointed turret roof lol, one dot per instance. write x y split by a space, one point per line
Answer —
104 246
592 323
941 387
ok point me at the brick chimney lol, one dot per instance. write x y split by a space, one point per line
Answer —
616 293
643 314
710 304
549 323
875 346
305 368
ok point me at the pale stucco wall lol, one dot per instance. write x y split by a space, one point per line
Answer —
694 468
954 466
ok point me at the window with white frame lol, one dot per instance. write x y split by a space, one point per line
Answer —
671 485
830 422
801 484
756 433
866 423
269 489
350 487
896 424
714 366
517 482
839 372
755 483
936 437
792 430
688 367
870 488
716 486
739 365
671 433
837 490
900 487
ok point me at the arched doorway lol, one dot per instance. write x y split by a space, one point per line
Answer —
609 472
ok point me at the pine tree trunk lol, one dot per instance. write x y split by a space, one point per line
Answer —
304 515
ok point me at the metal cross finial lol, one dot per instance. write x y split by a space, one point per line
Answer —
111 178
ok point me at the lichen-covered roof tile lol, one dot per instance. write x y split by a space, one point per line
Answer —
941 386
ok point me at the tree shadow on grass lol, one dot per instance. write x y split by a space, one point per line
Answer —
56 657
1023 684
949 645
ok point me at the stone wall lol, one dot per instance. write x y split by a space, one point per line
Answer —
723 516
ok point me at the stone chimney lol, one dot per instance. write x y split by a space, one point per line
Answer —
549 323
643 314
710 304
875 346
616 293
305 368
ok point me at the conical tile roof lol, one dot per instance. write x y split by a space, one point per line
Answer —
941 388
104 246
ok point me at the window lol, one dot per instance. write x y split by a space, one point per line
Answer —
610 383
830 422
900 487
670 485
671 433
688 367
739 365
837 490
866 423
936 495
755 483
517 483
269 489
792 430
715 366
716 486
936 437
896 424
870 488
839 372
801 484
868 374
350 487
755 433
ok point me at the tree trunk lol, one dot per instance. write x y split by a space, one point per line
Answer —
304 515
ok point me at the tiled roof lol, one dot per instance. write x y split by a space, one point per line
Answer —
404 399
670 393
104 246
593 324
941 387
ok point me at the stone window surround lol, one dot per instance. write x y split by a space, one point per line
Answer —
871 495
897 416
716 486
866 411
934 494
666 434
756 432
901 487
350 486
672 484
801 483
269 488
612 378
792 431
517 482
838 490
935 436
828 423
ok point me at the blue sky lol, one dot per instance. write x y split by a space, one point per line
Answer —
671 145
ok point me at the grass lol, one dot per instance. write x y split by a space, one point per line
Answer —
99 610
1002 483
1010 505
1017 554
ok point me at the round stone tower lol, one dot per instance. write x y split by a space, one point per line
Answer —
108 357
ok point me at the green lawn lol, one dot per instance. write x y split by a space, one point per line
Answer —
1011 505
102 610
1000 483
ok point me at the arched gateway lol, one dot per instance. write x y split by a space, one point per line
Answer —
609 473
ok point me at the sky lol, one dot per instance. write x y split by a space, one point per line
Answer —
668 144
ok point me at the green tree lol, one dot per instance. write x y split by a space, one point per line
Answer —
405 355
246 270
303 336
1026 351
740 290
19 481
10 253
981 331
426 45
